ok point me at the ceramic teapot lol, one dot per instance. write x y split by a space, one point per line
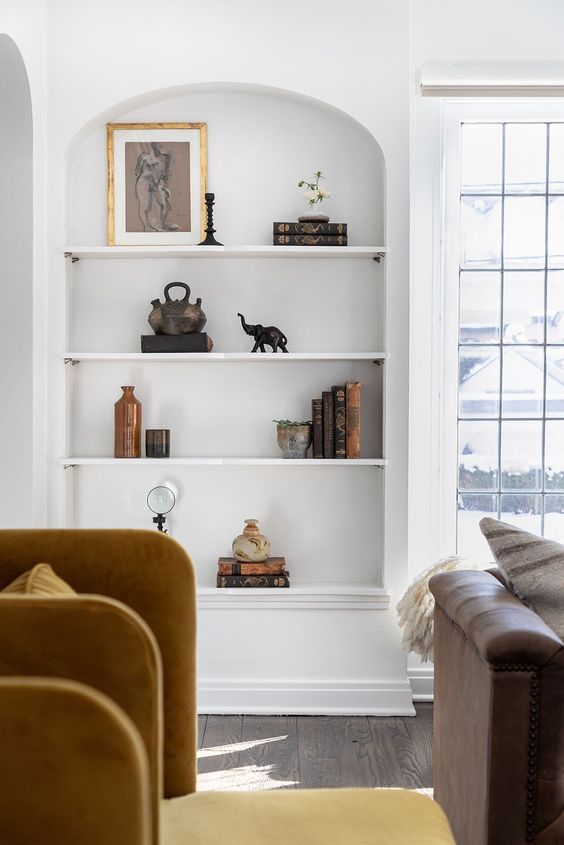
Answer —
177 316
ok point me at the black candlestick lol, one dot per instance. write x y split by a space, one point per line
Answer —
210 240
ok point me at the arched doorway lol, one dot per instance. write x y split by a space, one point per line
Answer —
16 288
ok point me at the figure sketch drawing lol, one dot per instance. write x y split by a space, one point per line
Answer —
152 172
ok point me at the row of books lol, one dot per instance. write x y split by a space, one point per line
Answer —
270 573
336 422
309 234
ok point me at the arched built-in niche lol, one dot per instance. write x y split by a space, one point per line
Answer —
261 141
16 285
330 519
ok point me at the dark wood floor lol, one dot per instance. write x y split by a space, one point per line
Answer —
302 752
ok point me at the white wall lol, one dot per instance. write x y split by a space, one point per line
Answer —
16 290
22 280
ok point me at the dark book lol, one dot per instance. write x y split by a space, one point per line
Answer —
311 228
328 424
193 342
340 421
352 390
310 240
271 566
253 581
317 418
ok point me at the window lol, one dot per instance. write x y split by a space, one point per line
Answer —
510 327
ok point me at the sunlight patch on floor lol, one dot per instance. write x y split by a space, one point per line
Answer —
242 779
234 747
428 791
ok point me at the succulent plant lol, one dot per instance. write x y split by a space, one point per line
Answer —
292 422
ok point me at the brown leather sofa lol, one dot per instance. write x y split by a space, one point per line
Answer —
498 746
114 643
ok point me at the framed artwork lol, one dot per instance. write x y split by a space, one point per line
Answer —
156 183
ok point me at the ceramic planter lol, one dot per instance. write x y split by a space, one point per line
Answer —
294 440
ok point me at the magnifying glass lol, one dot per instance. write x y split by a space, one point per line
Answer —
160 500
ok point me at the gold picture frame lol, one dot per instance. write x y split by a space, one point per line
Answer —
157 176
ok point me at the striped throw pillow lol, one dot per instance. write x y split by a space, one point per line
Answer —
40 581
533 568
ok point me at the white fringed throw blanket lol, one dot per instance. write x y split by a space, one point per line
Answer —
415 609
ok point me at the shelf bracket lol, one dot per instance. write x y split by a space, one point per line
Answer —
72 361
378 256
69 466
377 361
73 258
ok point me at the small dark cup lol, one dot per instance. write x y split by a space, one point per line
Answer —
157 443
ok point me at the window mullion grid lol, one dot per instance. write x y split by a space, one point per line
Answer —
501 320
545 337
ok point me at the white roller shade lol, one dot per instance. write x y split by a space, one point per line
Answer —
513 79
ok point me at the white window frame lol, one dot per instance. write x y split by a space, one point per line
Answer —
435 235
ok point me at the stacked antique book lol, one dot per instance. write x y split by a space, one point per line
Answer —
269 573
336 422
310 234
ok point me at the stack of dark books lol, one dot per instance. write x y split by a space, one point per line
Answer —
270 573
310 234
336 422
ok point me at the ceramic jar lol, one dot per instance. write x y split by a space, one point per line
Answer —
157 443
251 546
127 425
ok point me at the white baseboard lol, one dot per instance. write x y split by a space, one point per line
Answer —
421 681
320 698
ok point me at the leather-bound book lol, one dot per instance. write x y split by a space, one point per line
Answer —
313 227
317 420
253 581
340 421
328 424
352 390
271 566
310 240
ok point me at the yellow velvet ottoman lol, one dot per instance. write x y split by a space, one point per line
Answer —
305 817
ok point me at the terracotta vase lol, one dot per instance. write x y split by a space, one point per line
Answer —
251 546
127 432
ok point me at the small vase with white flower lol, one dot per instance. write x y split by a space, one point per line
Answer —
314 195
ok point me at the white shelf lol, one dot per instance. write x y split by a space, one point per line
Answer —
300 597
239 251
334 462
212 357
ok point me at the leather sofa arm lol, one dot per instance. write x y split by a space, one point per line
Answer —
502 629
74 769
498 732
99 642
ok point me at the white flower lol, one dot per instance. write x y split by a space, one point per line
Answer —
322 192
311 196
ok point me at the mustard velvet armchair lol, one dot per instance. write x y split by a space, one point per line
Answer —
137 638
74 768
152 575
96 641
